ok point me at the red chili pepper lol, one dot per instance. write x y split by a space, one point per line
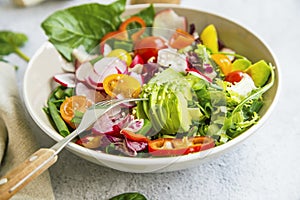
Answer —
172 147
122 34
133 136
134 19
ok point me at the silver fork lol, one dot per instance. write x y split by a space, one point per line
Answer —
42 159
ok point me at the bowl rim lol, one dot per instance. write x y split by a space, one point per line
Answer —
159 160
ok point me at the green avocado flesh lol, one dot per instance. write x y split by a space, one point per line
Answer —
260 72
167 108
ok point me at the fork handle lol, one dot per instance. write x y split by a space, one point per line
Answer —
24 173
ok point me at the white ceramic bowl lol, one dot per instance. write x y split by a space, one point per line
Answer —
47 61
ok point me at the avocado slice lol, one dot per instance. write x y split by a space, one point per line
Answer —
260 72
154 107
240 64
167 106
183 113
173 121
162 106
180 119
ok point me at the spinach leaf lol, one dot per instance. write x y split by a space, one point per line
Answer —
82 25
129 196
10 42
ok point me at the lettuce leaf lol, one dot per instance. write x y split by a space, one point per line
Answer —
82 25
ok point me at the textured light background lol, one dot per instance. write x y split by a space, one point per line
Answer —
266 166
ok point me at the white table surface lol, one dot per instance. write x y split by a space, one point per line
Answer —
266 166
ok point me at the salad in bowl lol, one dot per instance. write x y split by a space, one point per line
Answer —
202 86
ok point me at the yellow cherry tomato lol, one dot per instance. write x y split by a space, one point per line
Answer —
223 62
121 84
72 104
122 55
209 38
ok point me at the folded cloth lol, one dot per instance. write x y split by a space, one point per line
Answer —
24 3
17 141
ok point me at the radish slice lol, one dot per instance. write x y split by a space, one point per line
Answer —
106 49
83 71
95 79
82 90
93 85
168 19
66 79
68 67
90 93
81 55
103 68
109 65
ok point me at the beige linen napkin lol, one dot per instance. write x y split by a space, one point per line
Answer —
16 139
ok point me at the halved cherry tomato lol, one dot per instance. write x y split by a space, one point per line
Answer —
133 136
234 77
121 84
91 141
122 55
181 39
148 47
173 147
223 61
72 104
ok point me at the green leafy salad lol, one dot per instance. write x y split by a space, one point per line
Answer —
198 92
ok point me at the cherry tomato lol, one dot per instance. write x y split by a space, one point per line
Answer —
90 141
72 104
148 47
121 84
234 77
122 55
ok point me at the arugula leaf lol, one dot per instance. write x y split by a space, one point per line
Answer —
245 114
82 25
10 43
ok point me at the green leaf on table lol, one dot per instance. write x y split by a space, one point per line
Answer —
129 196
82 25
10 42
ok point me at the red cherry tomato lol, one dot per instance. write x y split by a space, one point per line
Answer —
148 47
234 77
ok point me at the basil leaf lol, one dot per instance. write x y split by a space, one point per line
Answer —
147 15
82 25
129 196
